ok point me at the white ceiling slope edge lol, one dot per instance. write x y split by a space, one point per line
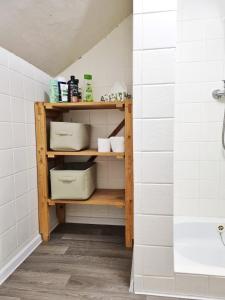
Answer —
52 34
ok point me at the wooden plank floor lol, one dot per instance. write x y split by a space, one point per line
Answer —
79 262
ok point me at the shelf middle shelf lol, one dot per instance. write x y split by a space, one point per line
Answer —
88 152
109 197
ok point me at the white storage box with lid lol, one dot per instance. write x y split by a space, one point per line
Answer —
76 181
65 136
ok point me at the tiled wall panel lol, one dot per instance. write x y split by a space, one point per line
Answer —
20 85
154 79
199 167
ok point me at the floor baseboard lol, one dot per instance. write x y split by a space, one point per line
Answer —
11 266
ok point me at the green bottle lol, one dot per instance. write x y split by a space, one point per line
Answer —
54 91
88 91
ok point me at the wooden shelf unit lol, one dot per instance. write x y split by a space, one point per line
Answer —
45 112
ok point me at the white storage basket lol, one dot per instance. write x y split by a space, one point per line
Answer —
66 136
75 181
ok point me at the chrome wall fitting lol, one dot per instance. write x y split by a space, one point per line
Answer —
219 94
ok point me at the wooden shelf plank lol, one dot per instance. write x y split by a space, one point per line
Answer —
86 105
88 152
109 197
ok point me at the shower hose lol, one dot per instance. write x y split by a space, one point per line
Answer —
223 131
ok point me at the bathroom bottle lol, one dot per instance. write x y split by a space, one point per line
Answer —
73 89
88 91
54 91
63 89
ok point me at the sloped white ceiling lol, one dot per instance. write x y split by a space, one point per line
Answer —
52 34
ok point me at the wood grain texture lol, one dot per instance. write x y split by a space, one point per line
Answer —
87 152
42 170
128 176
92 265
85 105
108 197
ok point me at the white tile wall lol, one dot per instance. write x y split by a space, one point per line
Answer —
199 163
153 79
19 83
200 56
107 64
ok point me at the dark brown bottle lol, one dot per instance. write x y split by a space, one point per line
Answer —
73 89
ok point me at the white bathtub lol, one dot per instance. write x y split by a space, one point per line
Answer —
197 246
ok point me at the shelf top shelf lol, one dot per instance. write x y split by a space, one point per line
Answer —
87 152
108 197
86 105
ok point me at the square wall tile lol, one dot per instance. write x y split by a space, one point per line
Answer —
4 82
23 231
137 32
157 167
188 189
32 200
6 189
193 285
186 170
33 224
148 230
199 71
137 166
191 30
157 135
6 162
216 286
158 101
186 151
158 285
29 110
155 199
19 135
191 51
7 216
32 178
21 185
29 86
30 134
8 245
153 261
137 67
5 136
20 159
22 207
18 110
16 83
5 112
164 23
137 134
158 66
137 101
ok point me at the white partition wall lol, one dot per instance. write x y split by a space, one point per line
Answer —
153 77
154 80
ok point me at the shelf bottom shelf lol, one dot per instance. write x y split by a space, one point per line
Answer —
109 197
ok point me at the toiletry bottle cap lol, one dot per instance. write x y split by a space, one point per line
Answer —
88 76
72 77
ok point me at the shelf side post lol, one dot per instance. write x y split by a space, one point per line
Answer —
128 175
42 170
